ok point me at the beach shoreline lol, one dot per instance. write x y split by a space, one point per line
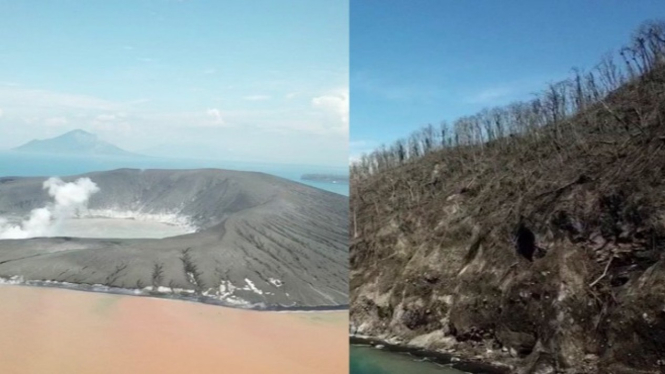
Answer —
186 297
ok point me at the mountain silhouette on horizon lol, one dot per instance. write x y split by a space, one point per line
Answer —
76 142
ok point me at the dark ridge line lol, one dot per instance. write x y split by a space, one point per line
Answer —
282 264
295 255
23 258
281 225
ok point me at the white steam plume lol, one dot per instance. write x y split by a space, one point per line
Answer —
69 198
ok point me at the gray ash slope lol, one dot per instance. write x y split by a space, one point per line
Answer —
260 239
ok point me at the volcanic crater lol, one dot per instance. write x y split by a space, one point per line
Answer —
241 239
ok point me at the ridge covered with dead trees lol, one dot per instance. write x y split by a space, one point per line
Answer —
547 115
435 221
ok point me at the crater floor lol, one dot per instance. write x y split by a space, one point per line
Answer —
118 228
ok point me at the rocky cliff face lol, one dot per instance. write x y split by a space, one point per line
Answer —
434 260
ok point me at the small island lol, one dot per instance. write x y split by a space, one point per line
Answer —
327 178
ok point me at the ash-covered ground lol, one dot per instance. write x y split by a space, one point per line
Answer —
254 240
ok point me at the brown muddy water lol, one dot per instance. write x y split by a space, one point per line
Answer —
56 331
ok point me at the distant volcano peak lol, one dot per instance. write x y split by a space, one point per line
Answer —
75 142
79 132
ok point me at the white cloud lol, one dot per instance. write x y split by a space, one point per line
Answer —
491 95
336 104
506 92
361 144
139 101
34 99
115 132
393 91
56 121
216 115
106 117
316 128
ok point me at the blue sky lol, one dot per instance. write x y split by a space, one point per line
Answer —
424 61
258 80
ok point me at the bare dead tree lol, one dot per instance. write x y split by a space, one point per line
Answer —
547 114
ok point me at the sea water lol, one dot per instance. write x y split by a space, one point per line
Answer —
369 360
56 331
24 165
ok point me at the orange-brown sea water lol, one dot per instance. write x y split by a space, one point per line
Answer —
56 331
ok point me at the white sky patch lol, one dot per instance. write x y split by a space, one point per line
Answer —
56 121
362 144
491 95
216 115
257 97
312 126
175 92
1 112
26 98
377 86
106 117
509 91
138 102
335 104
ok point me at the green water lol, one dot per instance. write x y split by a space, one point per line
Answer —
368 360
